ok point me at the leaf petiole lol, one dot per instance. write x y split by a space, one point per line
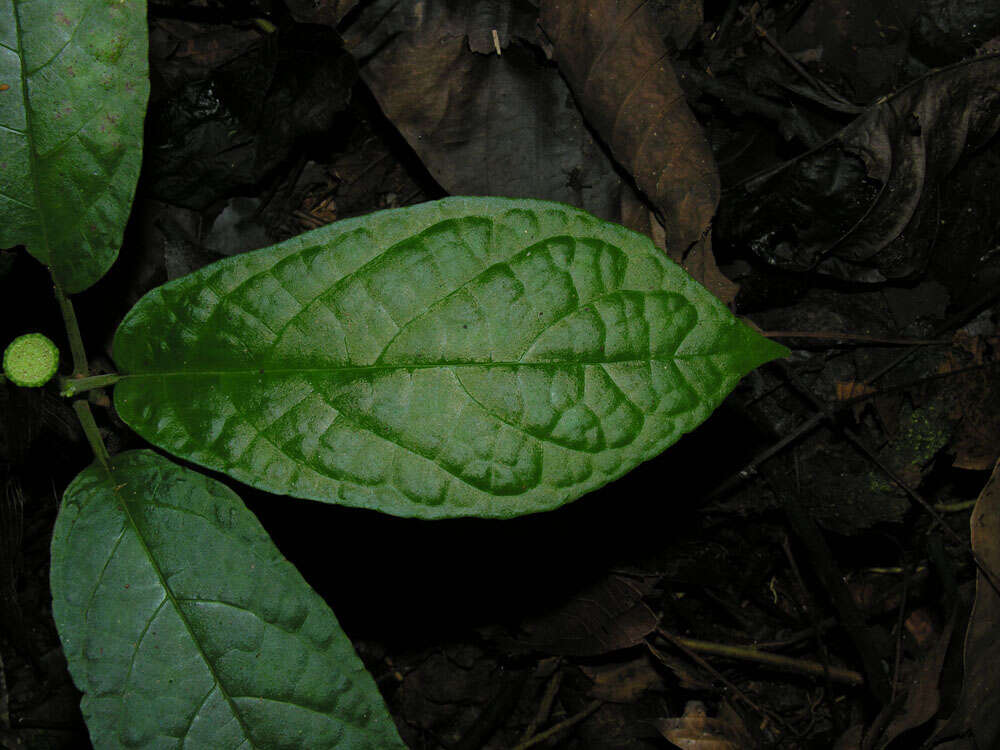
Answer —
70 387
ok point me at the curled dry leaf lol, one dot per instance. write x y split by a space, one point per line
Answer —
863 206
696 730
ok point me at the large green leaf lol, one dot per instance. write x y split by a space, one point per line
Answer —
185 627
73 90
472 356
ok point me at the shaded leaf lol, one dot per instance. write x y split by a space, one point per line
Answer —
978 711
608 616
73 90
184 626
446 690
924 696
617 66
182 52
471 356
330 12
851 739
975 401
234 125
864 52
482 123
864 206
945 32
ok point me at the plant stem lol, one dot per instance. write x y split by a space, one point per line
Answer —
70 387
81 369
83 413
80 366
834 336
750 653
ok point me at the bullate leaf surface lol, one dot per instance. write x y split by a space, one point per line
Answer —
471 356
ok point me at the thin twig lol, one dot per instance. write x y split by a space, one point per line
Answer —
798 636
758 656
751 468
810 611
899 636
738 99
545 706
797 67
717 674
824 410
834 336
817 97
562 726
821 557
953 321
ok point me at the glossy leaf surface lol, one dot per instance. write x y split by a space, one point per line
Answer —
73 90
472 356
185 627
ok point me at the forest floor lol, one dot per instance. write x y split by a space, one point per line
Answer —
798 572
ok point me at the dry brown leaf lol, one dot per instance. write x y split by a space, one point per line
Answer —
698 260
623 683
978 710
482 124
617 66
846 390
608 615
924 695
976 405
695 730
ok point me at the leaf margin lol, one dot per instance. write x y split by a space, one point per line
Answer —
393 226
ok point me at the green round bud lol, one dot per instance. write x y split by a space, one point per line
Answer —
31 360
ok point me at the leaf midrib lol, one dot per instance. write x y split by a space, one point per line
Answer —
170 597
407 367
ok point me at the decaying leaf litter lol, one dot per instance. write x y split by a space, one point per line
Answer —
830 593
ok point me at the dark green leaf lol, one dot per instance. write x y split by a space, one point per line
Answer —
185 627
73 89
473 356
